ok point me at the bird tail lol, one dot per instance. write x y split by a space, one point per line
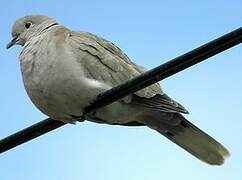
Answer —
191 138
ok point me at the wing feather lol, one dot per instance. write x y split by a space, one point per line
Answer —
108 62
103 61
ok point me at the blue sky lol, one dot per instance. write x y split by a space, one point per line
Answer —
150 32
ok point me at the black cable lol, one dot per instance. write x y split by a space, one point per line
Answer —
150 77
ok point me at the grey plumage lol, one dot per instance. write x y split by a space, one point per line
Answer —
63 72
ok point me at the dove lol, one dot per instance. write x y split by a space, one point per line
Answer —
64 71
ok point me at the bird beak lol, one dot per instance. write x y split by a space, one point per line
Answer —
13 42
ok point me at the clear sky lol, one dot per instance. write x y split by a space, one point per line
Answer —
150 32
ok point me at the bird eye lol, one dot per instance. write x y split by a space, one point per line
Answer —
28 24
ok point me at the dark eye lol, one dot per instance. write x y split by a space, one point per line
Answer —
28 24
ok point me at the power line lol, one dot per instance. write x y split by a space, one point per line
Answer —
150 77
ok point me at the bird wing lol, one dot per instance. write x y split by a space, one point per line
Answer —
103 61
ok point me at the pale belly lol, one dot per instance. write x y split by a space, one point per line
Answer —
56 93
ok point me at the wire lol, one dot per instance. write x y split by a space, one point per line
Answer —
150 77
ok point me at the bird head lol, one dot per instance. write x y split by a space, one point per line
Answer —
29 26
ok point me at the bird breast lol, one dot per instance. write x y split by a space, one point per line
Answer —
54 80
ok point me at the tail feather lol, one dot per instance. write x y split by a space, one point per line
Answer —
193 140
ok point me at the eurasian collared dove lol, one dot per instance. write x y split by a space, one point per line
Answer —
63 72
